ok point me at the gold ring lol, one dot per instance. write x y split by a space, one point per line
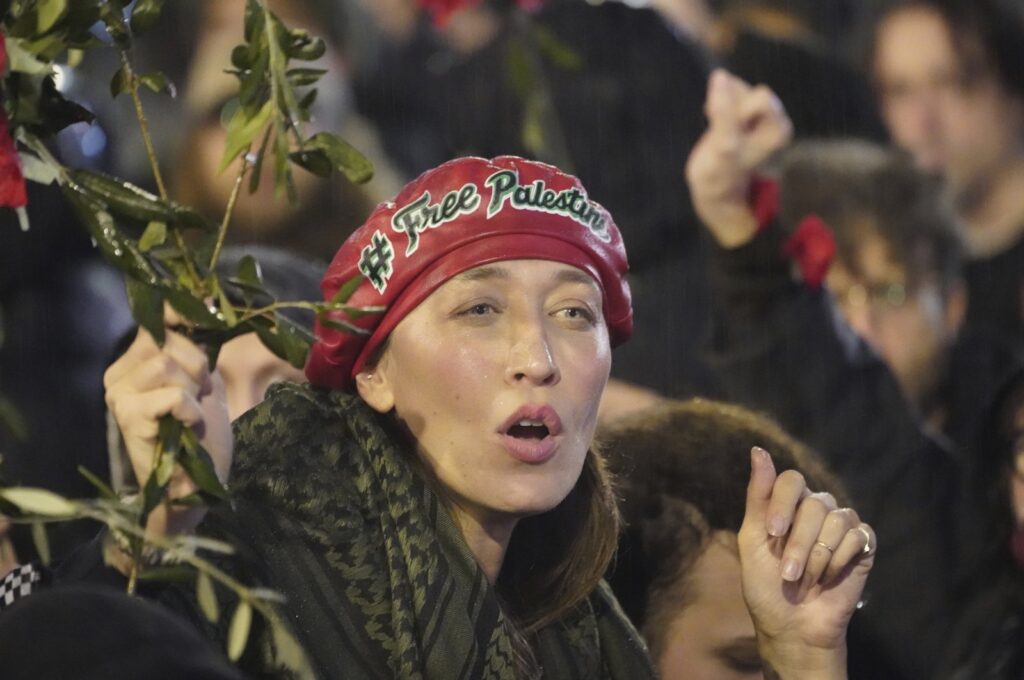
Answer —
826 546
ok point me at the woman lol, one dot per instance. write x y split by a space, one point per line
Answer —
431 504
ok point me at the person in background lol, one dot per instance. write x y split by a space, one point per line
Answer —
794 47
986 641
682 471
951 92
898 275
779 346
246 367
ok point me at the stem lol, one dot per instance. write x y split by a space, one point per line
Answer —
253 313
133 577
229 210
147 141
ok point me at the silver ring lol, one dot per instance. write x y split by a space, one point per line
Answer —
868 549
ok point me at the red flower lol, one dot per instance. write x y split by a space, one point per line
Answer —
441 10
812 247
12 181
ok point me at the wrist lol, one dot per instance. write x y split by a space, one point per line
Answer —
801 661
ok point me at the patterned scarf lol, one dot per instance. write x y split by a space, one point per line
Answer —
379 581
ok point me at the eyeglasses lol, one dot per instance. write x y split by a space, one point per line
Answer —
877 296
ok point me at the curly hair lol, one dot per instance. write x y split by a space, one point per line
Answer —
684 469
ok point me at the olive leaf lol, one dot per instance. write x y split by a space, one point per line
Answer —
242 130
49 12
207 597
129 200
285 339
343 157
158 82
120 82
197 463
35 501
144 15
147 306
238 633
154 235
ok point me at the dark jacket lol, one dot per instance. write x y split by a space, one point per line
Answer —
781 347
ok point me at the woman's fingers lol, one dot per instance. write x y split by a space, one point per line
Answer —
790 488
858 543
833 530
806 527
178 358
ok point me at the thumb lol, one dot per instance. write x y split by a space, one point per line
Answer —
759 490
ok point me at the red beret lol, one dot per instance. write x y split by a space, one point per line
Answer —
465 213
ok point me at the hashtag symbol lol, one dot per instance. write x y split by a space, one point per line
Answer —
376 260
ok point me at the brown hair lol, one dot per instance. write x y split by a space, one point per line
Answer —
684 468
556 559
859 188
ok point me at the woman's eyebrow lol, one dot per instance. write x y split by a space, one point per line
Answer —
481 273
575 276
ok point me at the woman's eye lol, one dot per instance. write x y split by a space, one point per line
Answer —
479 309
577 314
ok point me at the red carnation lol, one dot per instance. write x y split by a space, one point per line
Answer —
441 10
12 181
812 247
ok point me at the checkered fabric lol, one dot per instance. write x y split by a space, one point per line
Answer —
21 582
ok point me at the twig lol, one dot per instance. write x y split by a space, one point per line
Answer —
229 210
154 164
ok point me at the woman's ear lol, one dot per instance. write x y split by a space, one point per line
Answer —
374 387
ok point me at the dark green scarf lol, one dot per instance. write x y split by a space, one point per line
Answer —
379 582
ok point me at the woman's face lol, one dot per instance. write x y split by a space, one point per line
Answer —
498 375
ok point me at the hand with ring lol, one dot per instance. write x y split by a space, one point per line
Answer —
804 565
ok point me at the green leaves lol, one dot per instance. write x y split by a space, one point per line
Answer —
207 597
325 153
272 109
238 633
243 130
147 305
49 12
40 502
128 200
144 15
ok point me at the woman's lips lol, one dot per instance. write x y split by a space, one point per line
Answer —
532 450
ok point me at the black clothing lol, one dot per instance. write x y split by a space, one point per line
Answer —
780 347
823 96
95 633
995 292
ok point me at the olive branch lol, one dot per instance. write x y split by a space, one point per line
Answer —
168 252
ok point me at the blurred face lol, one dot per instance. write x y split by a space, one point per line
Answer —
498 375
952 120
713 637
248 369
911 325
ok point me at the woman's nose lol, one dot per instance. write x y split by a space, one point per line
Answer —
531 358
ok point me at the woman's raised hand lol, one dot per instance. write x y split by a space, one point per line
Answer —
148 382
804 563
747 126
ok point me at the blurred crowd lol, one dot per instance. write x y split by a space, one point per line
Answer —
877 316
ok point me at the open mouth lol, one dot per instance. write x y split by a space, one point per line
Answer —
528 429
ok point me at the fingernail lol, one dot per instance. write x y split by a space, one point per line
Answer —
776 526
791 570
